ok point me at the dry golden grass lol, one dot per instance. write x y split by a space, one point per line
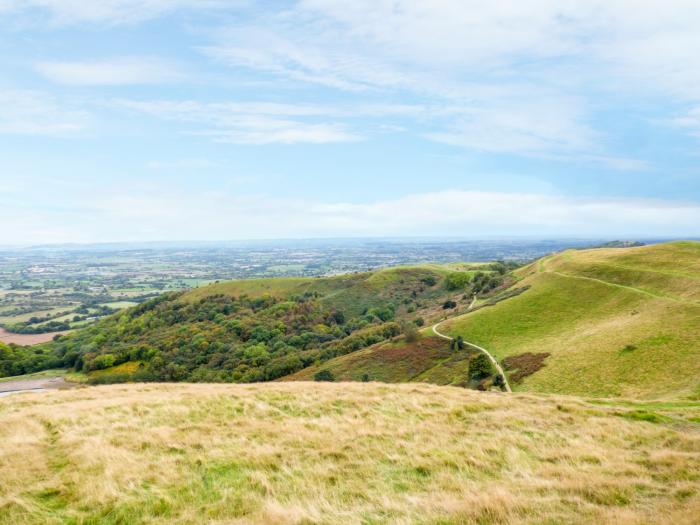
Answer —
346 453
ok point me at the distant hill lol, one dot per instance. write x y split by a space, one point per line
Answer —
620 244
599 322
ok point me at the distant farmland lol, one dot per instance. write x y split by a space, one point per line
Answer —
27 339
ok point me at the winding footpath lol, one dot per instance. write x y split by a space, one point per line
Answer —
488 354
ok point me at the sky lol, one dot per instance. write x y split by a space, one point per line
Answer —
144 120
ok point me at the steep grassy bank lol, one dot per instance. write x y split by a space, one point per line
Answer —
616 322
603 322
342 453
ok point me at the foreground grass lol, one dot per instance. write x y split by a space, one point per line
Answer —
339 453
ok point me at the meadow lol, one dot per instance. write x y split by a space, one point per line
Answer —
348 453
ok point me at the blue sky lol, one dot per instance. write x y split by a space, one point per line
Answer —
137 120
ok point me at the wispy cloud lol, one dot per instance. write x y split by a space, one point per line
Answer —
110 12
112 72
255 123
690 121
37 113
498 85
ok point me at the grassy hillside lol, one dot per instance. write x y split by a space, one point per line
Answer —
603 322
616 322
342 453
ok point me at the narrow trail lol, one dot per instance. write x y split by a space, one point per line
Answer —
488 354
542 268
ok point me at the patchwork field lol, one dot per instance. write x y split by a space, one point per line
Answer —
343 453
27 339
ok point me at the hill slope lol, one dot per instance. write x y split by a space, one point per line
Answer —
603 322
341 453
255 330
616 322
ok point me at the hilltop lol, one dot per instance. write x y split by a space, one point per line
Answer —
342 453
604 322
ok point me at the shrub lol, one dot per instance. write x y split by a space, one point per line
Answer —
104 361
457 281
480 366
324 375
449 304
429 280
410 332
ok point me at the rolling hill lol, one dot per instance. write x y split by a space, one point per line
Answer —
256 330
600 322
605 322
346 453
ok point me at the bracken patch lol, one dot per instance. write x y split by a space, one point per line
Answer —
524 364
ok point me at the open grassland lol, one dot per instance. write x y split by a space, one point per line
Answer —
617 322
342 453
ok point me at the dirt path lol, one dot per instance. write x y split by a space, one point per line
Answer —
34 385
543 269
488 354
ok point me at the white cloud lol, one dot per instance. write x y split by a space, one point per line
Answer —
467 54
690 121
255 123
114 72
182 164
36 113
147 212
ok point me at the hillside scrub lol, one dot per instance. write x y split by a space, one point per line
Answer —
347 453
219 338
